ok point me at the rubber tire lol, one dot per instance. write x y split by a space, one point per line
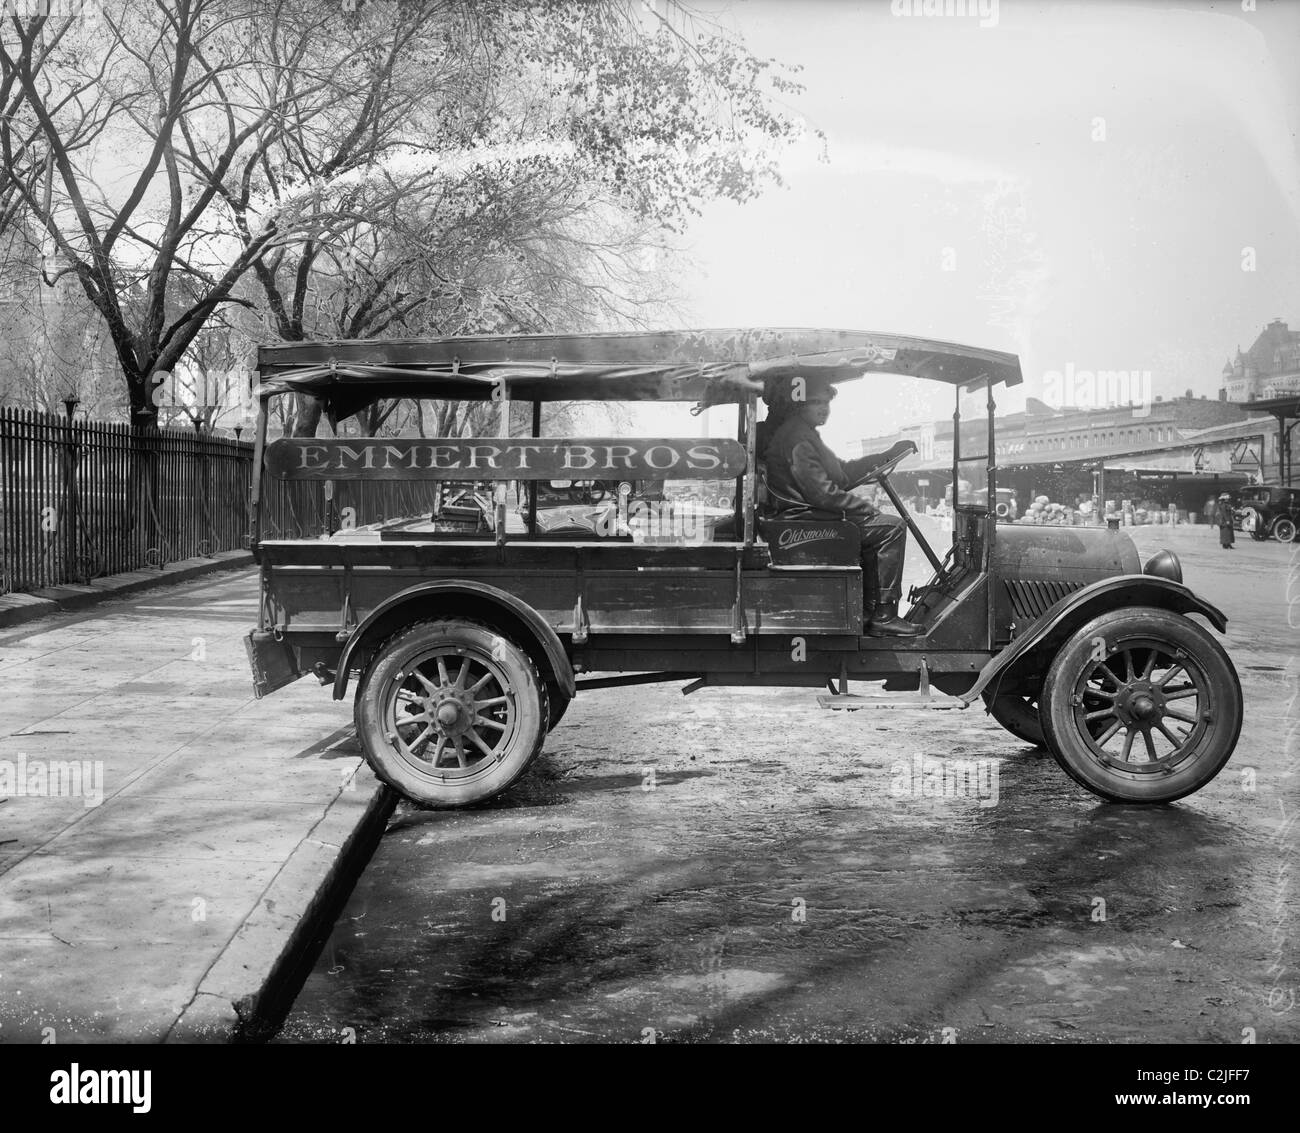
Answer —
1282 524
532 708
1019 718
558 705
1076 758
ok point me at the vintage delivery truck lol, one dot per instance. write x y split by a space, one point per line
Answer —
466 648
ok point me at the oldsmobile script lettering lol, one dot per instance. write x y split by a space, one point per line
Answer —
794 537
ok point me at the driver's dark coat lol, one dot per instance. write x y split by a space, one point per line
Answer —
805 478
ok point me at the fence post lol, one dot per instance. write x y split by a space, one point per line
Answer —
70 518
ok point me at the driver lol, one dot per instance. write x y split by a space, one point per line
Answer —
808 481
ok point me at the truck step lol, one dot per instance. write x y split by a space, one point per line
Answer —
847 702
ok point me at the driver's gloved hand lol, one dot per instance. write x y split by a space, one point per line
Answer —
901 448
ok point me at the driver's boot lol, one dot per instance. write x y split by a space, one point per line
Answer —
885 622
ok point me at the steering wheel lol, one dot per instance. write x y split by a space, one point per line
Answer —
882 470
598 492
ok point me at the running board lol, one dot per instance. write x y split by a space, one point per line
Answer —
852 702
921 698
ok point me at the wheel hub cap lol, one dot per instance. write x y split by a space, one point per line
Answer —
1139 703
448 716
1144 707
453 713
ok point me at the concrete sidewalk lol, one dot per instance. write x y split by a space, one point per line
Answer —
18 608
166 839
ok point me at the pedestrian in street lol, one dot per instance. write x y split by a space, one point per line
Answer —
1226 536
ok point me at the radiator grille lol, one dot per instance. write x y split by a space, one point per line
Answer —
1031 599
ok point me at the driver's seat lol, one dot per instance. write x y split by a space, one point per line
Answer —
794 543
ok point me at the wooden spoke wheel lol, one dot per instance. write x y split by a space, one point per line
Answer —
451 712
1141 705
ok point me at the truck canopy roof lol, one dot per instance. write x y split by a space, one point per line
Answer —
711 367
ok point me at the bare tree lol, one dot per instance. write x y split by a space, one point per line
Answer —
189 97
540 190
438 167
53 344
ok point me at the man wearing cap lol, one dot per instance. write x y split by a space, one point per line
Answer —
806 480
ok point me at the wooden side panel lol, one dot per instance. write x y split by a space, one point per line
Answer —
806 602
616 601
311 599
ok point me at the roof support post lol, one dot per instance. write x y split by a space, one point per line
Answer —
532 484
499 492
751 440
991 519
956 454
255 493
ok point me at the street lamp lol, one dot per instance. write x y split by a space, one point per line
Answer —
238 430
70 403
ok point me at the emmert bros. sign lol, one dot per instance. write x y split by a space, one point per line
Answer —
487 458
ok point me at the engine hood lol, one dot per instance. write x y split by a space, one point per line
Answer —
1077 555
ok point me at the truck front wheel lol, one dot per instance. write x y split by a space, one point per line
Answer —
451 712
1018 714
1141 705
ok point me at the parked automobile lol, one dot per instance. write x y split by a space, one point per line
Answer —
1268 512
1007 507
467 648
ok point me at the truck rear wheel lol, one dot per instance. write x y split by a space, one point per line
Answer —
450 712
1141 705
1018 714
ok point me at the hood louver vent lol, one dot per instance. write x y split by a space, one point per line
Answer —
1030 599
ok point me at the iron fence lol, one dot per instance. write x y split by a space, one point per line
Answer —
84 499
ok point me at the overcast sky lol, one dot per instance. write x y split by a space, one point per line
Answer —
1090 174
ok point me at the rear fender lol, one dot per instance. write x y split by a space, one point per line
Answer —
1055 627
473 599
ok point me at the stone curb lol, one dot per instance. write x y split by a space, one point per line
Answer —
249 983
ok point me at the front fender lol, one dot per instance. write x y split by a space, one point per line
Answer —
483 600
1050 631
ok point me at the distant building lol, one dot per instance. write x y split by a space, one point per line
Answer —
1173 451
1041 432
1270 368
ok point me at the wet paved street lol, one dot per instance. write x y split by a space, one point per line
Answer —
742 865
